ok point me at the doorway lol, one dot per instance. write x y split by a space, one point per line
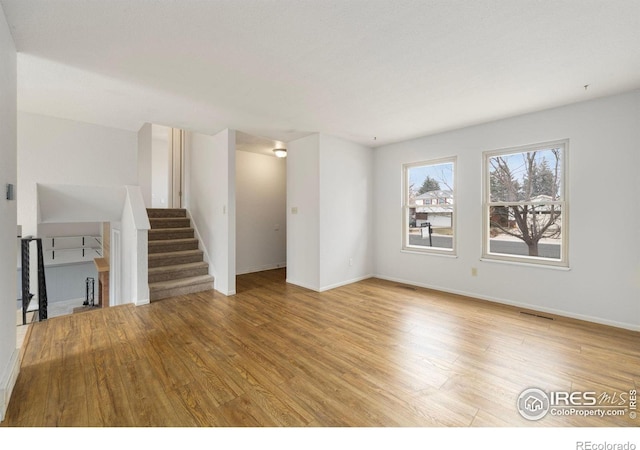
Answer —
261 203
177 167
167 167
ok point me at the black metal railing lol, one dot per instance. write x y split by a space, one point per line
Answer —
42 284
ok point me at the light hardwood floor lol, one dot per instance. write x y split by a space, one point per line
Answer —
371 354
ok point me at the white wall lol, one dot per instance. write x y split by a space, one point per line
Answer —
134 228
145 162
261 202
603 283
329 239
60 151
65 152
303 225
160 166
9 366
210 199
154 164
68 282
346 212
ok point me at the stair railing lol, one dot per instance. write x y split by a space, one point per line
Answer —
42 284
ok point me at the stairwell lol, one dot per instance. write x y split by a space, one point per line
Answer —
176 265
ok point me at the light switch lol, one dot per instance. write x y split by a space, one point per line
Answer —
294 210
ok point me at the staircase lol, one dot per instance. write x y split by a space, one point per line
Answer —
176 265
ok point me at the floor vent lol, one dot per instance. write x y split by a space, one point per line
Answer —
409 288
536 315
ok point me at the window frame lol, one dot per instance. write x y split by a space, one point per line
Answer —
540 261
405 245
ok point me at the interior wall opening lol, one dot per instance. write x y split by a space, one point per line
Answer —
261 202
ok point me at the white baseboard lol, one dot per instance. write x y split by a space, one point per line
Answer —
8 381
344 283
226 293
302 285
556 312
329 287
255 269
142 302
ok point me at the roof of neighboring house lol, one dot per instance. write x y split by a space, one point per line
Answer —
541 198
436 194
434 209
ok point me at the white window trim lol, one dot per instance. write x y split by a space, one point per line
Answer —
405 209
563 262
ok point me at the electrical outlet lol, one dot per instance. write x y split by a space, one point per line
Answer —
294 210
351 261
474 272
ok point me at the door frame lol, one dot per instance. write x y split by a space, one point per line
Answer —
176 154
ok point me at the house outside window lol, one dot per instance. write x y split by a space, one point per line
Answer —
525 204
428 223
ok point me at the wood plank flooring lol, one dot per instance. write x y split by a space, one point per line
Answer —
371 354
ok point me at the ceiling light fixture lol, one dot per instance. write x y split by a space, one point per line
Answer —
280 152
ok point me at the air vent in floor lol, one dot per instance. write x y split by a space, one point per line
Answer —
409 288
536 315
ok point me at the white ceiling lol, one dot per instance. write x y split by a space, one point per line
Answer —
257 144
280 69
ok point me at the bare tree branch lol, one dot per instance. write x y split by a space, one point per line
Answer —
532 221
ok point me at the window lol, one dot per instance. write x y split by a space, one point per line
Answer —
429 207
525 204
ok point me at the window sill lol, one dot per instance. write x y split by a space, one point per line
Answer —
525 264
429 252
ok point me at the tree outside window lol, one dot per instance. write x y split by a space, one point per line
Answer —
525 204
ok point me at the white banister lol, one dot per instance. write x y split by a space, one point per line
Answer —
135 229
